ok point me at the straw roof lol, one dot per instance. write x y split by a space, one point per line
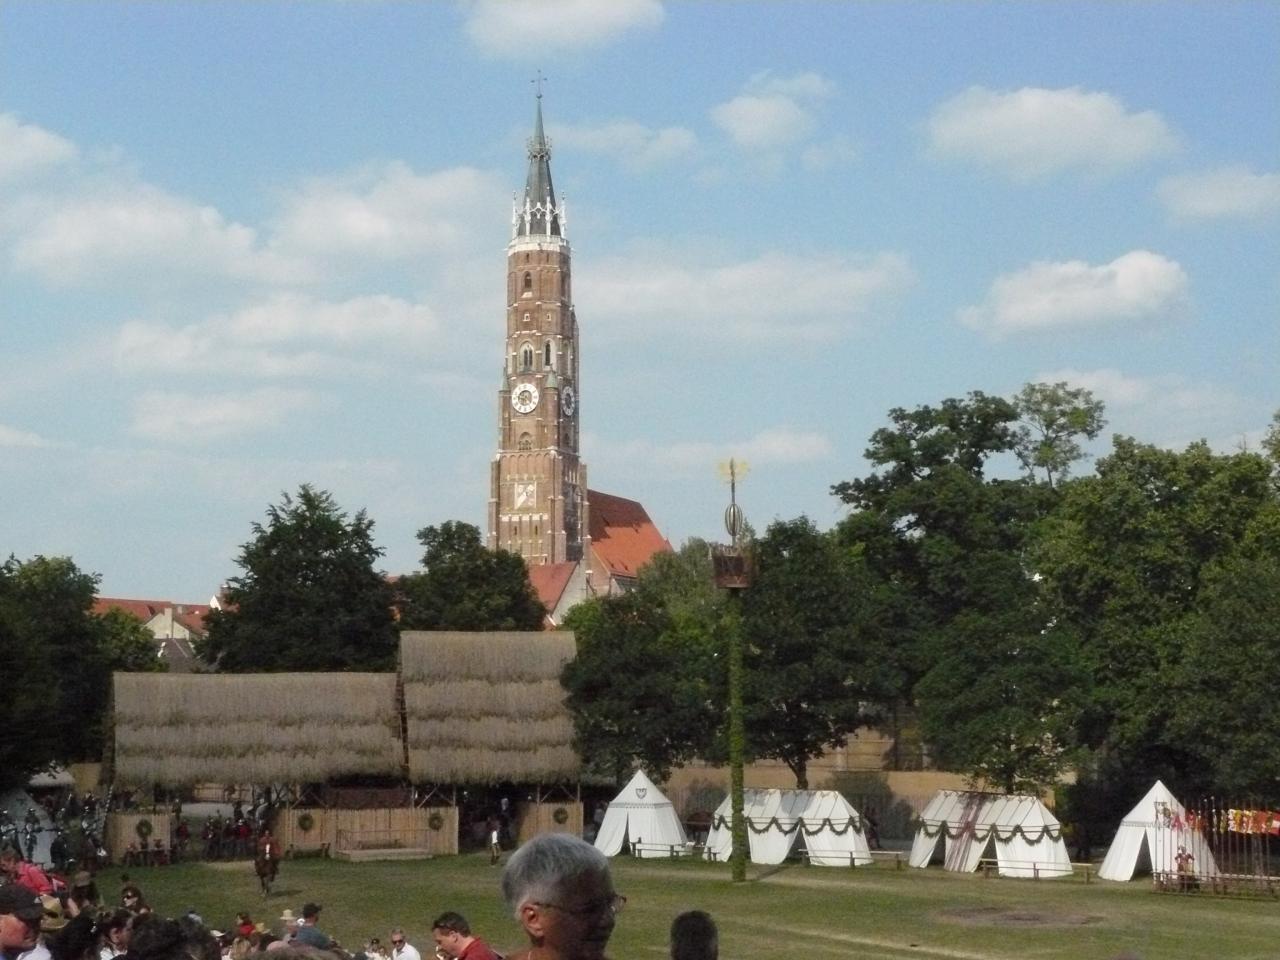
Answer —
487 707
181 729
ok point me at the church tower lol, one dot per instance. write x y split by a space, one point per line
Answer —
538 486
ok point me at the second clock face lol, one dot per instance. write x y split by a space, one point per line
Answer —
525 398
568 400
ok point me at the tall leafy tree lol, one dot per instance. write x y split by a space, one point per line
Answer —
1222 704
946 543
647 685
1123 561
60 657
309 598
1053 417
814 670
464 586
1271 441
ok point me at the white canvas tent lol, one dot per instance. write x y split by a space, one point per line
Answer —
642 816
831 830
1151 835
1017 831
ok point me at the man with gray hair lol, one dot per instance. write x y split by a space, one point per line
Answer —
559 890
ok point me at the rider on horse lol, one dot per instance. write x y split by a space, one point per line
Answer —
267 861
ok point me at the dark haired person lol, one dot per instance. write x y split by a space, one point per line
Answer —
454 939
310 935
694 937
21 911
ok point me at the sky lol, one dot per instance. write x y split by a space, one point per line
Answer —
246 246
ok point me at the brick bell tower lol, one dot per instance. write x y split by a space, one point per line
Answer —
538 485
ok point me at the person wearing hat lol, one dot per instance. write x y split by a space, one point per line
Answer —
290 924
21 912
84 892
310 935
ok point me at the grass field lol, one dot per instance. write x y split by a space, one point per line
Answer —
873 913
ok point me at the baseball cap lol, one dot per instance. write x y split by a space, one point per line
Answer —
21 901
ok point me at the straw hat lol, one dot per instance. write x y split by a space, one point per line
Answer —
288 916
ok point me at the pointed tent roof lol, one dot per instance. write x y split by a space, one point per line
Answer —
1162 838
640 792
539 193
642 815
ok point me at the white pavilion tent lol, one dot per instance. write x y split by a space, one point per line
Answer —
1150 837
831 830
1018 831
640 815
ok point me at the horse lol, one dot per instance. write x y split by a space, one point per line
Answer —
266 864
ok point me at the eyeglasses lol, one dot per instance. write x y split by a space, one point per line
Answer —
397 943
614 905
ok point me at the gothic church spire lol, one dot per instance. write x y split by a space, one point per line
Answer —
541 215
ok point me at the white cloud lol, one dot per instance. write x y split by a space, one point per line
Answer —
13 437
93 237
525 29
1034 132
26 148
782 445
191 418
388 213
799 86
1136 287
808 297
1226 192
824 156
769 114
763 122
285 336
630 143
1167 409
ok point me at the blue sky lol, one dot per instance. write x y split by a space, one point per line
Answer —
246 246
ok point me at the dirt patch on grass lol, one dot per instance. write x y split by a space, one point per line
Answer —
1021 917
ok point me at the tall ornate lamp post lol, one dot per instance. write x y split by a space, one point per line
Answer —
733 573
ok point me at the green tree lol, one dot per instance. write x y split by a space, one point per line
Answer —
1271 441
464 586
814 670
647 684
62 657
1053 416
1222 704
309 597
1123 560
944 546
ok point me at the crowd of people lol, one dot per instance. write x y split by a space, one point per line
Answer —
557 887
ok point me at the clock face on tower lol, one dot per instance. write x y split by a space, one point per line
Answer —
525 398
568 400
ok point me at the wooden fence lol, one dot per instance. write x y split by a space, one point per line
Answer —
122 830
434 829
532 818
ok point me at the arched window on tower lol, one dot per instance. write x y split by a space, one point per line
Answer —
564 286
526 358
525 442
546 354
528 283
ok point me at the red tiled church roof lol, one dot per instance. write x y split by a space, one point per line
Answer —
622 535
549 581
190 615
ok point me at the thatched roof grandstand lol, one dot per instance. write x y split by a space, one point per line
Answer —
483 708
182 729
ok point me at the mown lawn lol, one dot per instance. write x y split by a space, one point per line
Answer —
873 913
